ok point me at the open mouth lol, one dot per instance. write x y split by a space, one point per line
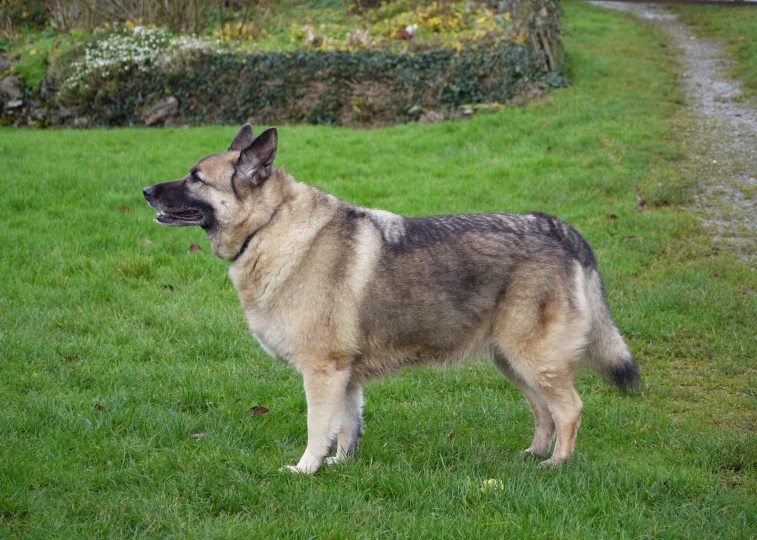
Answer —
180 219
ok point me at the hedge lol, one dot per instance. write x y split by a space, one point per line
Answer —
325 87
365 88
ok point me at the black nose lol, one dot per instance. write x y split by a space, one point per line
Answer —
148 191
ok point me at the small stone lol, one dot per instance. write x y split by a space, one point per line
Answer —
431 117
10 85
46 87
161 111
15 104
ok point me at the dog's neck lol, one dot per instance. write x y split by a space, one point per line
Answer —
247 240
234 234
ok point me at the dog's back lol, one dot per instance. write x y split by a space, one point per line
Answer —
523 290
344 293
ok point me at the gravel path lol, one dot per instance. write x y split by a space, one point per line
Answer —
721 141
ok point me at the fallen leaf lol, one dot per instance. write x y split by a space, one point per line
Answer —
633 238
198 436
592 221
99 407
194 248
640 203
72 357
495 160
338 179
146 242
546 125
127 209
451 434
169 287
549 149
257 410
611 215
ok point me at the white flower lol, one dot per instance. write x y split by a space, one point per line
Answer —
142 49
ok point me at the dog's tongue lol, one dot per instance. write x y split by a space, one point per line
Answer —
190 214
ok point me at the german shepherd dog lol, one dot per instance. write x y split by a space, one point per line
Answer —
345 294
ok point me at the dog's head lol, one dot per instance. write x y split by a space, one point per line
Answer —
222 193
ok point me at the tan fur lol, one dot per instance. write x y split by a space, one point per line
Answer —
346 294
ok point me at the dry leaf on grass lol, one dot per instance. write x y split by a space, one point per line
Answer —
257 410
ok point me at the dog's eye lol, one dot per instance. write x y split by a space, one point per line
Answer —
195 179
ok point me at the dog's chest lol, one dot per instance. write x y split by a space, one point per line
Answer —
265 347
272 338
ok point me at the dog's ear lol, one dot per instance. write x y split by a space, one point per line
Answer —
255 161
242 140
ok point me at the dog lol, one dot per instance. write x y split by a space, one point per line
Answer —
345 294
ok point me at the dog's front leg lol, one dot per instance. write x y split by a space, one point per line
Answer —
325 391
352 424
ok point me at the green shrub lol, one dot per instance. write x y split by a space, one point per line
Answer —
117 78
33 60
318 87
19 14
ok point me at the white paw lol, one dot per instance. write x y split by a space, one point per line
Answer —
331 461
531 451
293 469
551 463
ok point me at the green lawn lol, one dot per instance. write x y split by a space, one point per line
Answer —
117 344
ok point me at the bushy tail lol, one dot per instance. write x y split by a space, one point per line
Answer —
608 353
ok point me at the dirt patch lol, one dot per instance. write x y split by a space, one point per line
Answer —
720 142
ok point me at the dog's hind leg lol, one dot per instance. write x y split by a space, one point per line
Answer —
352 424
326 392
545 425
555 383
542 331
548 384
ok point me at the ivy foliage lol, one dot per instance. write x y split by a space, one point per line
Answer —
364 88
323 87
